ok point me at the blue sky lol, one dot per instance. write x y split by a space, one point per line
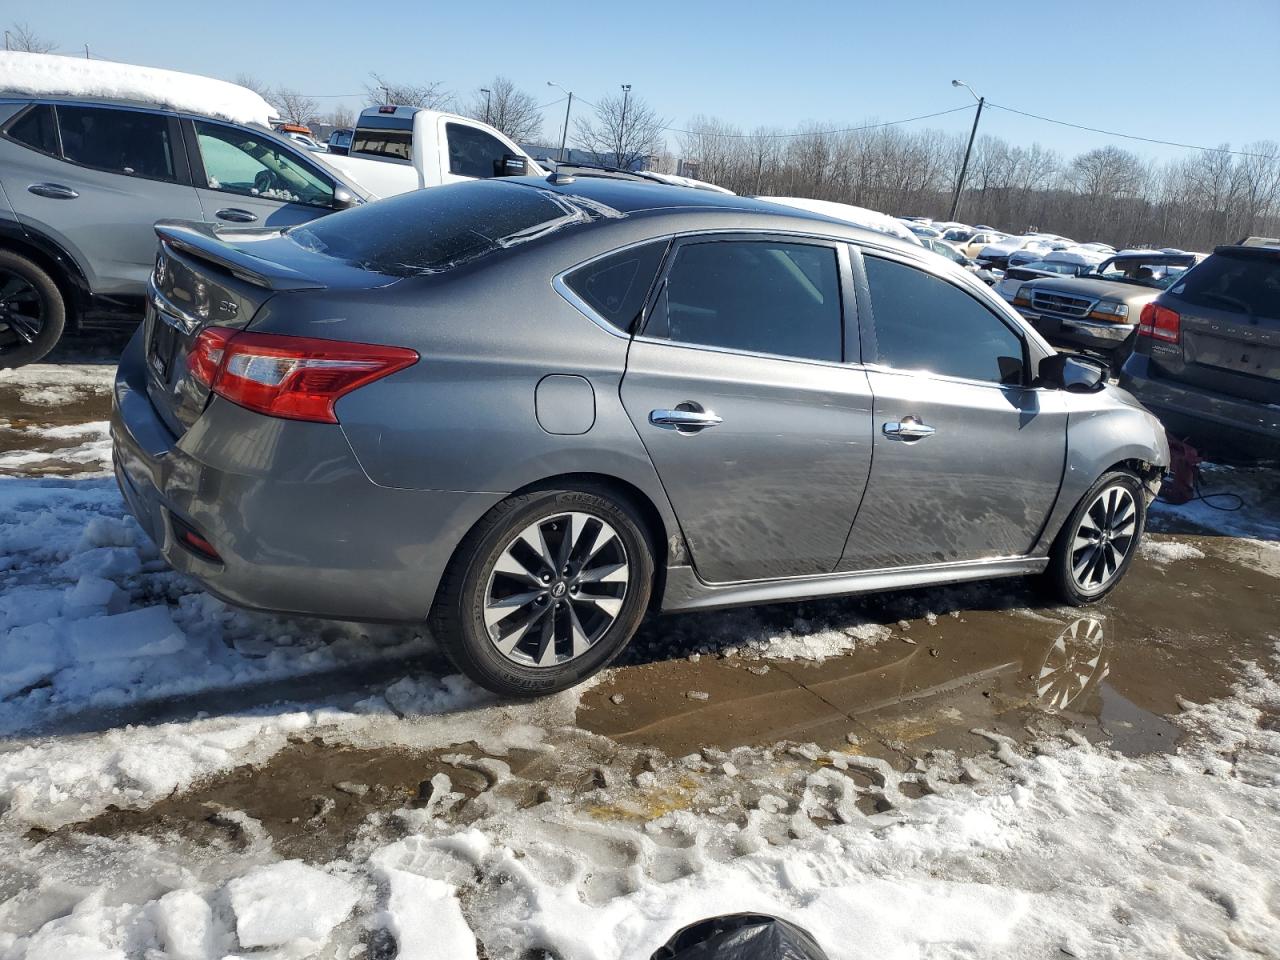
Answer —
1202 72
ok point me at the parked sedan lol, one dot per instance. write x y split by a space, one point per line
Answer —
530 411
1207 360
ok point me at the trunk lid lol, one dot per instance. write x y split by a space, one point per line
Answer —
206 276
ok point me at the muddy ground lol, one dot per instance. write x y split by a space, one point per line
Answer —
959 669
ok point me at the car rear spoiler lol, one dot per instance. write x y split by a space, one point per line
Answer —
201 241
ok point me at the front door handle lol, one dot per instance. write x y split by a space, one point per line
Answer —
54 191
908 428
684 420
236 215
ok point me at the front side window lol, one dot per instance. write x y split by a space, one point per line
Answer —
617 286
760 296
472 152
237 161
924 323
36 129
118 141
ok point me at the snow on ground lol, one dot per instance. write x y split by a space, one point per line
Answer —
52 385
1061 848
1258 516
1169 551
50 74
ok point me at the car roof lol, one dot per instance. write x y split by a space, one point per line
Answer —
630 197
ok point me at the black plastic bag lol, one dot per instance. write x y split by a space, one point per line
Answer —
741 936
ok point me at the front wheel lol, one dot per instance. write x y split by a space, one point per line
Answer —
547 590
1099 539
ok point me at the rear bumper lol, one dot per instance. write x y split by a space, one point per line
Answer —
299 527
1089 334
1213 422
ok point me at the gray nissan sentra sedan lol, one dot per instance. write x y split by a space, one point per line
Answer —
529 411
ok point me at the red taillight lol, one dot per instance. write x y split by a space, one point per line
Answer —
299 378
1160 323
206 356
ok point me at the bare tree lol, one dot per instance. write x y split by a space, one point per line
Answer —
622 131
509 109
433 95
294 107
254 84
21 37
341 117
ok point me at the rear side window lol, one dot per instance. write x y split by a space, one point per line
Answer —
117 141
431 231
924 323
617 286
36 129
1248 283
472 152
759 296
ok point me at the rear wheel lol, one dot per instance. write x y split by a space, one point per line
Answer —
1099 539
32 311
545 591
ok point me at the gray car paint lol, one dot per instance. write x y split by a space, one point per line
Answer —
420 456
107 229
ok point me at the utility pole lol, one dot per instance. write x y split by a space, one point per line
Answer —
86 51
386 95
487 95
622 125
964 167
564 134
6 39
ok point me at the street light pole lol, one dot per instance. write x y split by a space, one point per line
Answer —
487 95
564 134
964 167
622 125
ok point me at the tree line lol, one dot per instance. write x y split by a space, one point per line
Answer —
1109 194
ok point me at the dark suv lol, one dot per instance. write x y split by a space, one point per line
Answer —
1207 358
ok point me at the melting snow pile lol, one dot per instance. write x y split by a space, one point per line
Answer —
47 75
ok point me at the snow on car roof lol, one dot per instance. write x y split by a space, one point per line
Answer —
1080 256
50 75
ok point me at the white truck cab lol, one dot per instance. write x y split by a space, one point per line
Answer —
398 149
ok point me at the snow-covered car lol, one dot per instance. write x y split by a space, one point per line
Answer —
972 247
948 252
93 153
397 149
996 255
1016 276
861 216
924 231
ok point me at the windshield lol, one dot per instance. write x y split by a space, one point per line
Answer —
396 144
1154 272
1048 266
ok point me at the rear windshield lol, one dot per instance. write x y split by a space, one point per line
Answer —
396 144
1249 283
431 231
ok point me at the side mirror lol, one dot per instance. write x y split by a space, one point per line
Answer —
344 199
511 165
1072 372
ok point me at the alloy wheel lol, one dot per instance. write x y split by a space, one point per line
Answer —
1071 663
556 589
21 311
1103 538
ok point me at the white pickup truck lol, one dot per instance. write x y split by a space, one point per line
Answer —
398 149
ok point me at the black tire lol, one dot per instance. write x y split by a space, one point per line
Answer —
457 618
15 350
1060 576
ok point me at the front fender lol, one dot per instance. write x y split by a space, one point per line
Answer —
1111 430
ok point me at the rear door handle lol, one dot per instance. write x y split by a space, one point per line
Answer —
54 191
685 421
236 215
908 428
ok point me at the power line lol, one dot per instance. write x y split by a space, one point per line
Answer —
1128 136
811 133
